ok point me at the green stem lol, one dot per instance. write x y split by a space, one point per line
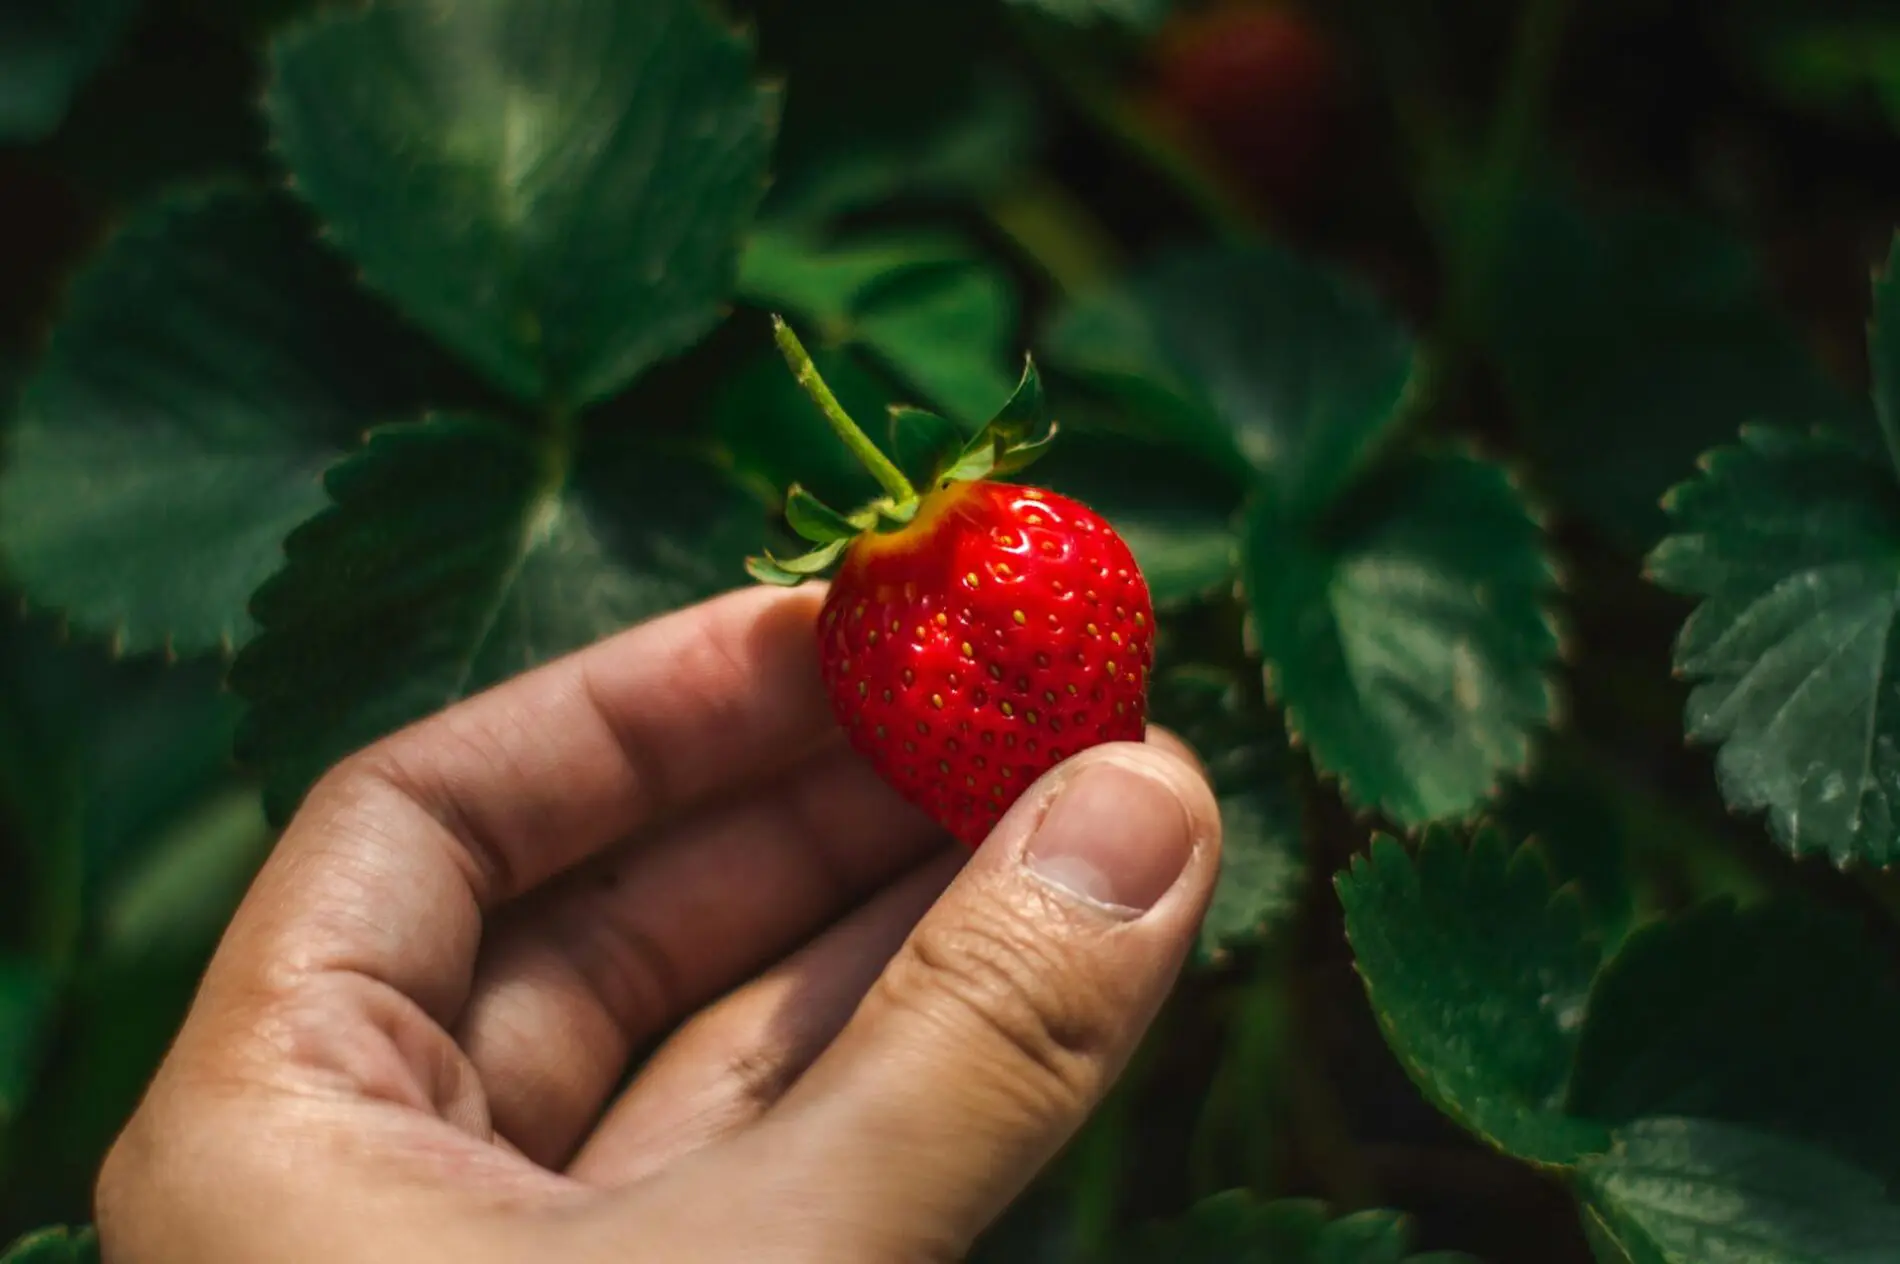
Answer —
1515 127
888 476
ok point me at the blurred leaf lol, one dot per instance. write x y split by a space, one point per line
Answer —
1177 513
1582 826
1254 356
1630 344
557 191
1409 639
922 305
1263 853
1478 971
188 878
887 102
59 1245
1235 1228
47 52
212 361
28 996
1780 1017
776 436
1141 15
1690 1191
461 551
1792 543
1826 56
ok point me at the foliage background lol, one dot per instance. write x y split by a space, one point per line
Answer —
1385 359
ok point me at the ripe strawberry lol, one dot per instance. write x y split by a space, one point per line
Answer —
975 636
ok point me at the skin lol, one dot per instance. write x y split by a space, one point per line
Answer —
855 1039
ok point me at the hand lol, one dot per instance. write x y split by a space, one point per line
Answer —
411 1042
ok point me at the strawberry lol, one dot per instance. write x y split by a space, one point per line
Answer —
979 633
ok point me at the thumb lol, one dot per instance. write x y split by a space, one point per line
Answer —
1011 1008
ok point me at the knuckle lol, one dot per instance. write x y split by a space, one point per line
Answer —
992 974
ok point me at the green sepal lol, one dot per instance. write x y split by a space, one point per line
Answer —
789 572
923 443
814 520
1018 435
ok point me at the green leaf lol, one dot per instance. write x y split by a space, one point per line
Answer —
1175 511
211 363
1780 1017
1883 339
59 1245
1832 57
1792 541
1139 15
558 192
1233 1227
1408 637
462 551
1478 971
1263 853
1633 342
1254 357
47 52
1690 1191
922 444
923 306
28 998
777 437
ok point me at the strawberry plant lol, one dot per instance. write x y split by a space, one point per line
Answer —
1497 482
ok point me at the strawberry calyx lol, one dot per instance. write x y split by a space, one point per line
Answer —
932 451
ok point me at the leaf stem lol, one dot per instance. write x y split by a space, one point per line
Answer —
889 477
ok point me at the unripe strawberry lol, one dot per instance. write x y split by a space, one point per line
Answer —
976 635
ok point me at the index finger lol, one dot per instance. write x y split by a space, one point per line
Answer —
396 855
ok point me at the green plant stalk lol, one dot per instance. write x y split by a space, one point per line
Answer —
1515 127
888 476
1056 233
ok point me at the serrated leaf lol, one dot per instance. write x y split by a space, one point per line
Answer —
47 52
1690 1191
27 998
557 191
1632 342
1780 1017
1883 338
459 552
58 1245
1478 971
1408 638
922 443
777 437
922 306
211 362
1792 542
1253 357
1263 852
1177 513
1234 1227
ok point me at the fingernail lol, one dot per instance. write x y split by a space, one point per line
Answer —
1115 837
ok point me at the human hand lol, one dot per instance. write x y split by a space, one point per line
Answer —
410 1044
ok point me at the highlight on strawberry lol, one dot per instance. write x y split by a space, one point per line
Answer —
977 632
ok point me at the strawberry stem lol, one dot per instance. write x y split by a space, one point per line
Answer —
889 477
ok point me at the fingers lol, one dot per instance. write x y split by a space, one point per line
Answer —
1009 1010
392 860
732 1062
597 964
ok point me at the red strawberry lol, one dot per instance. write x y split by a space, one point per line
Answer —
975 636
